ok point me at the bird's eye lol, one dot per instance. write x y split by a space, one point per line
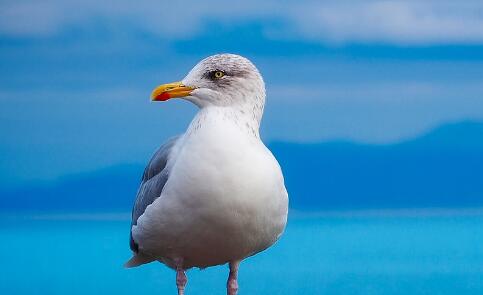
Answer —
218 74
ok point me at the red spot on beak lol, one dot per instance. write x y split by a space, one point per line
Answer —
164 96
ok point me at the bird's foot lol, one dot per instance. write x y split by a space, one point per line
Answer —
181 281
232 287
232 283
181 278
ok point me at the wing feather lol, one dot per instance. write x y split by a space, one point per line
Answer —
152 183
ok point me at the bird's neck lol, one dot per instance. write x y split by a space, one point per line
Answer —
246 118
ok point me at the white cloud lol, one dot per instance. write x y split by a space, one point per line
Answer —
400 22
173 19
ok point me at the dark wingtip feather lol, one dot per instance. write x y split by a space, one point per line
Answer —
134 246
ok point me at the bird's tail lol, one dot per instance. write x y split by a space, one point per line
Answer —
138 259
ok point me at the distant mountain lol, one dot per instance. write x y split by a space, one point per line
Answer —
110 189
443 168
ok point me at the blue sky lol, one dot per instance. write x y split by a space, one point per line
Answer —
76 76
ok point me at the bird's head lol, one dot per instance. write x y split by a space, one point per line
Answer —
220 80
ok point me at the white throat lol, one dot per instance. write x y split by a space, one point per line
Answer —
245 119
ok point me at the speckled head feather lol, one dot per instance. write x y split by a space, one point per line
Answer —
226 80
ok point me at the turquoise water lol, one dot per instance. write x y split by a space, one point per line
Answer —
334 254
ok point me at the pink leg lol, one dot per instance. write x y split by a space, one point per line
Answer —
181 279
232 284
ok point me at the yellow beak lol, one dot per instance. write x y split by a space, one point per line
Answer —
170 90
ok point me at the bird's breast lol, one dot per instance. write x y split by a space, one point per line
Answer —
228 166
224 199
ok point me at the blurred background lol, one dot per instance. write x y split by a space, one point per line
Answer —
374 110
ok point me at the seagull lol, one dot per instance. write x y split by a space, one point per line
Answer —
214 195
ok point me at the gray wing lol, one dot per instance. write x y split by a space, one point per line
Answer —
152 183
